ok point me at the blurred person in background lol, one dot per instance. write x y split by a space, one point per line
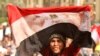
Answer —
8 44
97 49
2 50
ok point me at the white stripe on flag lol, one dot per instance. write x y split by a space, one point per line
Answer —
21 30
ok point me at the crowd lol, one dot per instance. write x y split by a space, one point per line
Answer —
7 43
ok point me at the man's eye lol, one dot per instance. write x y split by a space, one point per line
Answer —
59 41
52 40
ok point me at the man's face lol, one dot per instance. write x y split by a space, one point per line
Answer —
56 45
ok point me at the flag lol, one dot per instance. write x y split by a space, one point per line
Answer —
95 33
27 22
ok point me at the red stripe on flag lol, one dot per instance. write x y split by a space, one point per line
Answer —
27 11
13 13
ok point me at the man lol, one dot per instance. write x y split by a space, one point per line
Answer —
56 44
57 47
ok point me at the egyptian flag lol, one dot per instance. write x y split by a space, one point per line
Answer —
27 23
95 33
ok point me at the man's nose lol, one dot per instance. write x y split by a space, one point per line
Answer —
56 43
